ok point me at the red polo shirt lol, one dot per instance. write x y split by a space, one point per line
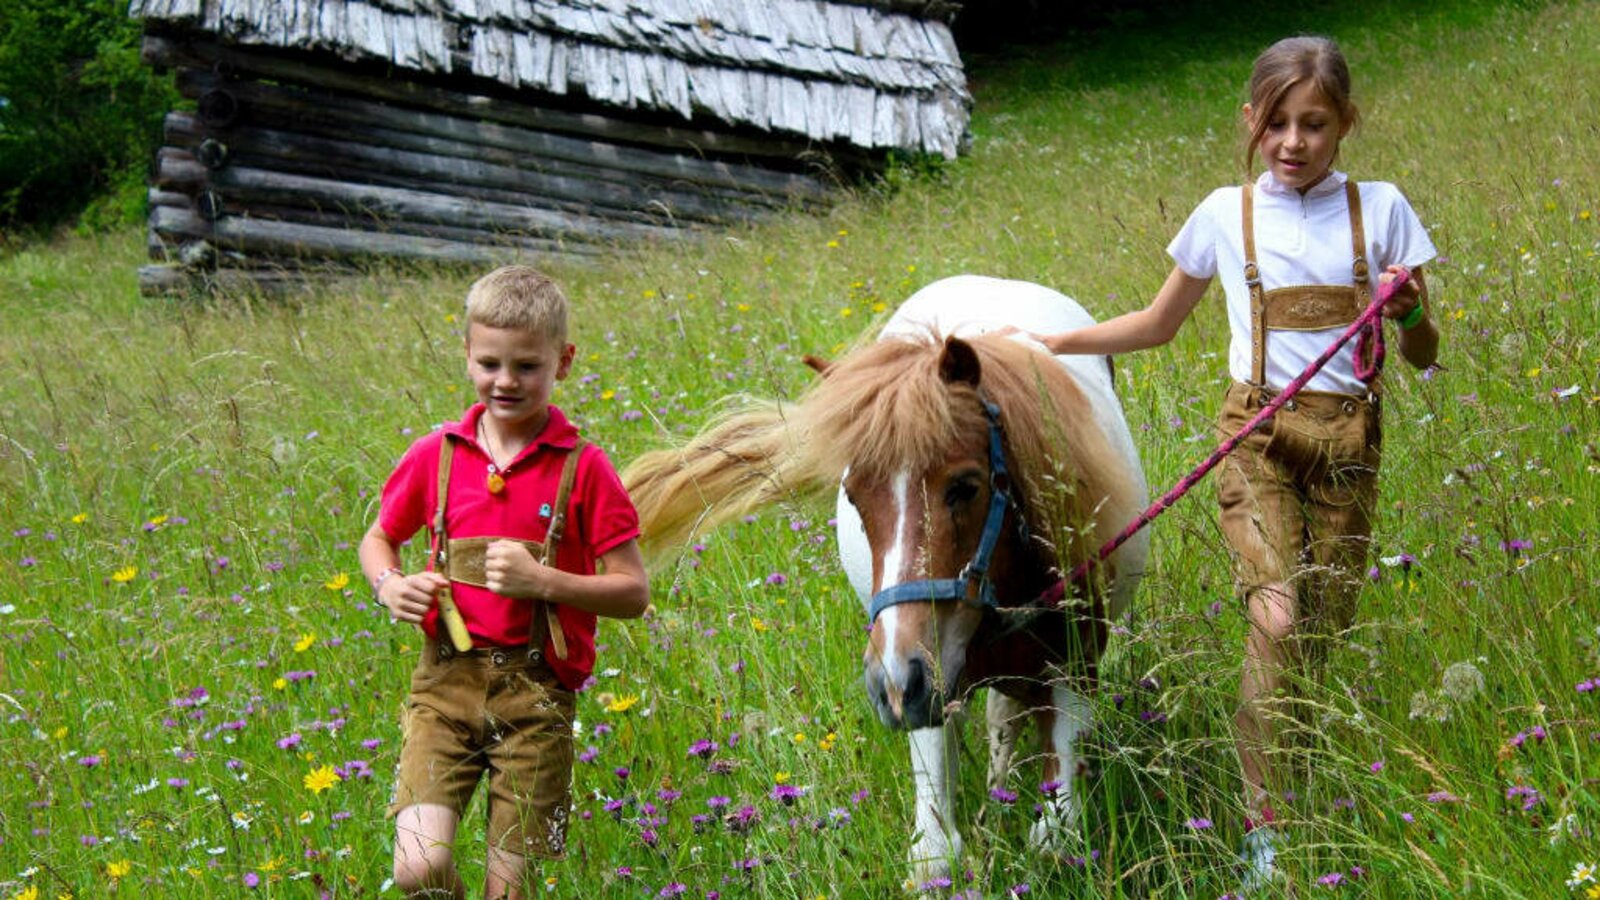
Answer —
600 517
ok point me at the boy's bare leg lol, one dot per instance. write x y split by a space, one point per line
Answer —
423 864
507 877
1267 654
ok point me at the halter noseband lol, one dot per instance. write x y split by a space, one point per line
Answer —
976 571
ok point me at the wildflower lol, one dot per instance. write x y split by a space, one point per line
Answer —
777 579
1332 879
1005 797
1198 823
757 624
338 582
89 762
80 518
675 889
306 817
787 794
251 880
119 869
124 574
1376 767
1587 686
1443 797
1582 874
622 704
290 742
318 780
305 642
703 748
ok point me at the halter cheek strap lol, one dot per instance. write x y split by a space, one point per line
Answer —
976 572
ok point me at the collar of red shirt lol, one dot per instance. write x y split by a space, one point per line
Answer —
558 432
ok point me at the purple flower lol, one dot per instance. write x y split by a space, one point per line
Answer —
675 889
703 748
177 784
718 802
624 872
290 742
251 879
744 818
1332 879
622 773
1377 766
89 762
1005 797
1587 686
1443 797
371 744
1198 823
588 754
777 578
787 794
1049 788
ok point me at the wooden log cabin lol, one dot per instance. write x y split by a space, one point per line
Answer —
325 133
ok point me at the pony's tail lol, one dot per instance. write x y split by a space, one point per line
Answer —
739 462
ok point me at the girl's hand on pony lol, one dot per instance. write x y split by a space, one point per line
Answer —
1406 298
411 596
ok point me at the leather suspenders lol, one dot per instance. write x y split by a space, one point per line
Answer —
1302 307
462 559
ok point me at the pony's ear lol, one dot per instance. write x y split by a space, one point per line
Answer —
817 364
959 362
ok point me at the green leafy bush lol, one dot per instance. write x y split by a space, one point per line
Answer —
79 112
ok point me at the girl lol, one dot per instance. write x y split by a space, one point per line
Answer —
1296 251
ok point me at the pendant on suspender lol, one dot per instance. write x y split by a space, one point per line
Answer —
494 482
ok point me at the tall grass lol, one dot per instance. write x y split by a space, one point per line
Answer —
185 637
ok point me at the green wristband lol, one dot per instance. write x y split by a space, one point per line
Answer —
1410 319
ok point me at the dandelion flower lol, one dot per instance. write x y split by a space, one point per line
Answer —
305 642
124 574
119 869
338 582
622 704
319 780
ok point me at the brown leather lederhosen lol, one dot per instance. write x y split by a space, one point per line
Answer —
1297 495
462 559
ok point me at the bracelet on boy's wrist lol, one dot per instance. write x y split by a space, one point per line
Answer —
378 582
1411 319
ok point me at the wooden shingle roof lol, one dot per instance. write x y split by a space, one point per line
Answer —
878 75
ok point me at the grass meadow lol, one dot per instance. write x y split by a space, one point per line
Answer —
198 697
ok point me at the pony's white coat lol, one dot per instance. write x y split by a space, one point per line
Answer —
969 305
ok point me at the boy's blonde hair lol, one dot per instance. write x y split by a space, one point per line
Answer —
519 297
1285 64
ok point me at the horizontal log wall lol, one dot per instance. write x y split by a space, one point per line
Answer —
290 170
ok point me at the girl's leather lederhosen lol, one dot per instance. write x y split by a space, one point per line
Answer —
1297 494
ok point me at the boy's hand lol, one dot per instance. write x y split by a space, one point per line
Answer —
511 571
410 597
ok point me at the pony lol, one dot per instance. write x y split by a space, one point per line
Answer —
971 468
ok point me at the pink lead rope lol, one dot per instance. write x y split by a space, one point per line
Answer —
1366 371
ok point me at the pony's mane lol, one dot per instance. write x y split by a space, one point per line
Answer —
884 408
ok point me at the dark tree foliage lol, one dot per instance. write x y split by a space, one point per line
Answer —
80 115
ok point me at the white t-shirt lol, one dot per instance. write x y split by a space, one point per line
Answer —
1300 240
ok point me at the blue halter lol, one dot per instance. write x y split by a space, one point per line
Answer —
977 570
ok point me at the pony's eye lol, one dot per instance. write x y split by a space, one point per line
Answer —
959 492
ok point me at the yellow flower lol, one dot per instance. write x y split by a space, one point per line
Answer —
880 306
80 518
843 233
622 704
31 892
1534 372
338 582
757 624
157 521
1584 216
607 394
319 780
280 683
743 307
60 732
305 642
833 245
911 268
450 318
124 574
780 778
846 312
1593 893
119 869
649 294
799 737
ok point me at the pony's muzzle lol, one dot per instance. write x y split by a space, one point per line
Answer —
906 693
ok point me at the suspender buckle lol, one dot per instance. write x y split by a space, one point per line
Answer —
1359 268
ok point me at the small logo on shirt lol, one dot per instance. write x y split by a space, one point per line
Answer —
544 510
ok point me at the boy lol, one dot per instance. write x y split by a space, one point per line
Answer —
493 691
